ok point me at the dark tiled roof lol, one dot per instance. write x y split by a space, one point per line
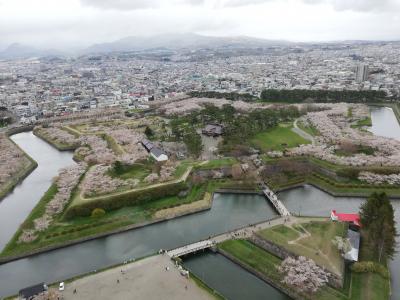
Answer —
147 144
32 290
157 152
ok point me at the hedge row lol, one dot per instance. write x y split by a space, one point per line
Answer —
83 227
355 186
127 199
353 173
370 267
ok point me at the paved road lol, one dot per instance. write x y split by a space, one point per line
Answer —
302 133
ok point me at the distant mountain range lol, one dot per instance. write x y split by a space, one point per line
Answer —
17 50
180 41
165 41
132 43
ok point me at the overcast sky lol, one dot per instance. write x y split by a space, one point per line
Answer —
79 23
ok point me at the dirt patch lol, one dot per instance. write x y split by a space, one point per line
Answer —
145 279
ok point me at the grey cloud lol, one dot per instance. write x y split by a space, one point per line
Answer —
234 3
359 5
134 4
121 4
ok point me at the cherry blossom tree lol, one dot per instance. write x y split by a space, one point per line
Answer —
303 274
12 160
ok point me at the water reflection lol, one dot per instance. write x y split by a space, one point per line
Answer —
17 205
229 279
384 122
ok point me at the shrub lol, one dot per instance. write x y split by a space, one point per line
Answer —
348 173
98 212
370 267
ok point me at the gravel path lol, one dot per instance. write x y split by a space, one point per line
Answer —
302 133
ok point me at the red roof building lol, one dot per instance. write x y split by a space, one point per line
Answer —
349 218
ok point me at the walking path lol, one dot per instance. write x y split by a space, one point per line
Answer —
241 233
302 133
271 196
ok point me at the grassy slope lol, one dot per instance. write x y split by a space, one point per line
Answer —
318 246
362 123
278 138
369 286
58 145
61 231
267 264
309 129
137 170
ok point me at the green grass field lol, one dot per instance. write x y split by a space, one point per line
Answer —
369 286
137 171
278 138
317 246
362 123
218 163
308 128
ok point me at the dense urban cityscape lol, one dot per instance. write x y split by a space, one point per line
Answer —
40 87
199 149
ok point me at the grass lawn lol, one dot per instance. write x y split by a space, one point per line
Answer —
369 286
308 128
312 239
253 256
361 123
218 163
137 170
278 138
113 145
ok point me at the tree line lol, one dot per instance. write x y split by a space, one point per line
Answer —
238 127
229 96
321 96
377 219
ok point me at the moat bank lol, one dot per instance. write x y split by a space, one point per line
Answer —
17 205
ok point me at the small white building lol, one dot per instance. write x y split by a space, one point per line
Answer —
158 154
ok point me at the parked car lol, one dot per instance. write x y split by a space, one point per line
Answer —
61 287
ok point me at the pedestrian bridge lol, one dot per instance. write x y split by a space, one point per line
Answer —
190 248
271 196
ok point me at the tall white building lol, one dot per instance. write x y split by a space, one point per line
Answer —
361 73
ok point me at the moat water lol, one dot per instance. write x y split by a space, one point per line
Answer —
384 122
17 205
227 213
